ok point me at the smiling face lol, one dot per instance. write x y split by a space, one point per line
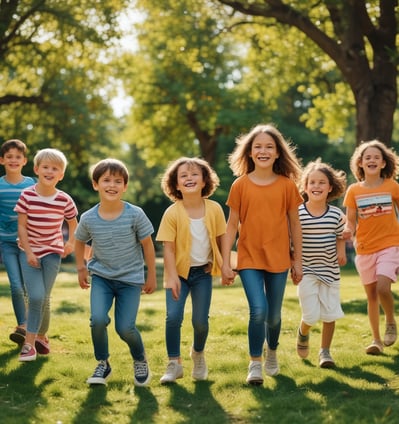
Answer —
49 173
317 186
264 151
372 161
110 186
13 161
190 179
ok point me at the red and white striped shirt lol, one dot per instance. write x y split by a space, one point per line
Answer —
45 216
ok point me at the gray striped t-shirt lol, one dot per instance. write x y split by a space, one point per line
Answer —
117 252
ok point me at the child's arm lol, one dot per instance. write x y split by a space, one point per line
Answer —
350 225
70 243
341 251
169 261
83 274
296 240
227 242
24 240
149 258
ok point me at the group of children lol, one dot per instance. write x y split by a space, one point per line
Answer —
280 220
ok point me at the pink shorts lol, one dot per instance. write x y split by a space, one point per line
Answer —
384 262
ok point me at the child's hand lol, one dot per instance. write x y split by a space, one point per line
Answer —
296 273
347 234
83 278
32 260
228 276
150 286
68 249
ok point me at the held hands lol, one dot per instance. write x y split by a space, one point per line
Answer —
347 234
68 249
228 275
296 272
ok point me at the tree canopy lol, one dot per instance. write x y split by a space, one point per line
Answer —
360 37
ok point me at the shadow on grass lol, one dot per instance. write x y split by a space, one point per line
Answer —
197 407
92 408
330 400
147 406
21 399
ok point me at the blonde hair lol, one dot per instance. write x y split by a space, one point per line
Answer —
336 179
390 158
286 164
169 178
51 155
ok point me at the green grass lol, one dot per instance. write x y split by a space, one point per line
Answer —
362 389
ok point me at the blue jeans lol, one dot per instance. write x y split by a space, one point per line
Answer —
39 282
11 255
127 301
265 292
199 284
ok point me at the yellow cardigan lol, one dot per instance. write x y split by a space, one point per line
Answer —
175 227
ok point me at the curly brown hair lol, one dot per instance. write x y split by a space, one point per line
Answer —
391 159
169 178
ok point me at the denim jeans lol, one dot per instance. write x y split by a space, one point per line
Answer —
11 254
265 292
199 284
39 282
127 301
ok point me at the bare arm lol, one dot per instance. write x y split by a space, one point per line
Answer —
350 226
83 274
149 258
341 251
296 240
227 242
169 260
24 240
70 243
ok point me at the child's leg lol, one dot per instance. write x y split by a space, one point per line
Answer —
373 310
127 302
201 293
101 299
327 334
386 298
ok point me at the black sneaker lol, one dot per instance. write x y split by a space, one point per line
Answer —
142 374
101 373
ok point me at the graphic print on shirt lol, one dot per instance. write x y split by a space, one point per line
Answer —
374 204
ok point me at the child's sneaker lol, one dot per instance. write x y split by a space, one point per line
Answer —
375 348
42 346
255 376
271 364
390 334
142 374
174 370
302 345
101 373
325 359
18 336
28 353
200 370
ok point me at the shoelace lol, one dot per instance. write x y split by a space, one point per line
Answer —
140 369
100 369
199 363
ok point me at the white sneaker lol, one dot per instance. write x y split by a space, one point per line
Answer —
200 370
271 364
255 376
174 370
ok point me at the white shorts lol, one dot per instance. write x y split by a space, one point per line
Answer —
318 300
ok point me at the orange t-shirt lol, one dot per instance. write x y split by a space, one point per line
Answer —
264 241
377 225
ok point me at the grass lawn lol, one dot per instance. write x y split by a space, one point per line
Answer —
361 389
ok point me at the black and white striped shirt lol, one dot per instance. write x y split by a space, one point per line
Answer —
319 243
